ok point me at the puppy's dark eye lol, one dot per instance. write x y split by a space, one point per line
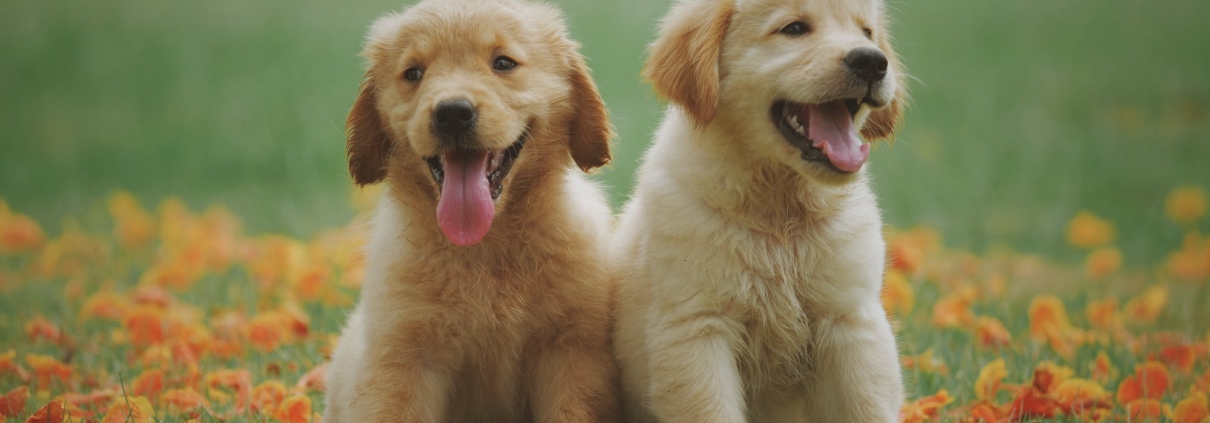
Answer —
868 33
503 64
795 28
413 74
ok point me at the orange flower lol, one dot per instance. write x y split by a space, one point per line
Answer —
926 408
174 271
182 400
1144 409
1183 356
105 305
1047 317
40 328
129 410
1087 230
46 368
992 334
134 227
984 413
1186 205
1031 403
1103 314
925 362
145 325
897 294
1148 306
269 329
149 384
1082 397
313 380
1103 262
53 412
1150 380
239 381
91 399
296 409
990 377
268 396
1048 322
13 403
1193 409
907 250
953 310
18 233
265 332
1192 261
1049 375
1102 369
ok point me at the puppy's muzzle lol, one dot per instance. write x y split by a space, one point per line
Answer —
454 119
867 64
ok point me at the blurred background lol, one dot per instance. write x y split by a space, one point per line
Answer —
1023 112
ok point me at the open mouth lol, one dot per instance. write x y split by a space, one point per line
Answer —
471 181
498 164
824 132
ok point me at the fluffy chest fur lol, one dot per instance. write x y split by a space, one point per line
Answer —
772 257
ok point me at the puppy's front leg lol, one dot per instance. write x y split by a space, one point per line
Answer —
575 381
395 391
857 368
694 375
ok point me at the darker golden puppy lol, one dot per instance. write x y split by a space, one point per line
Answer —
484 297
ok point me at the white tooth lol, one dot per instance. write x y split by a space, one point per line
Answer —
496 159
859 118
800 130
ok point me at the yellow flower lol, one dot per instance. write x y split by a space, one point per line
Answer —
1087 230
1192 261
1103 262
18 233
1146 307
1186 205
992 334
1048 321
1103 314
988 383
1102 369
131 410
133 226
897 294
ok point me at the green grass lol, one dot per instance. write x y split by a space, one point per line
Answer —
1023 112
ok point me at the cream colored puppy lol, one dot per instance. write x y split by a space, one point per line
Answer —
751 254
485 296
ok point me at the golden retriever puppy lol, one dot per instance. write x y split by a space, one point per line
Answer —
485 297
751 253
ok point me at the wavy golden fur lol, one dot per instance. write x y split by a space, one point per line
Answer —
514 328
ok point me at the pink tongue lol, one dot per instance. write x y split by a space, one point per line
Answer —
465 210
831 129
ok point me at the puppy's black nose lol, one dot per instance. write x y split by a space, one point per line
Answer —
867 63
454 118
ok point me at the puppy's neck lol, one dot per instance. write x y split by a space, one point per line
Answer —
720 166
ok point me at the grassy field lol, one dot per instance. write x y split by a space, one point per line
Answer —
1023 114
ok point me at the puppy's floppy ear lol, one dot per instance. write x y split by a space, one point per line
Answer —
882 123
368 143
683 62
590 130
